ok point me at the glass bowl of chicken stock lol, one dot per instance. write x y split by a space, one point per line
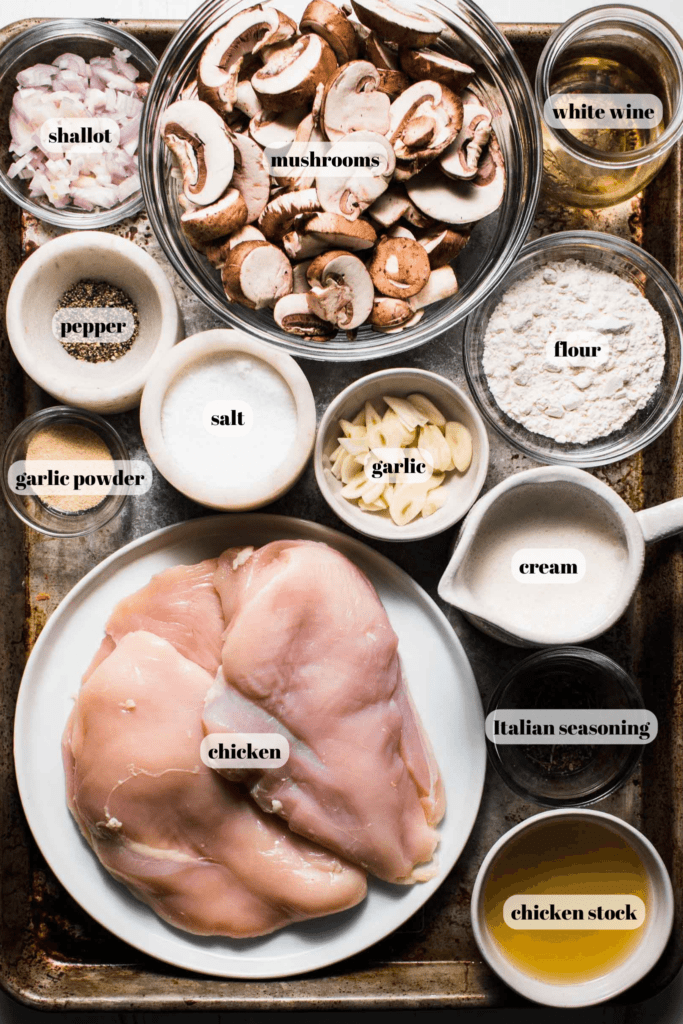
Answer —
631 263
42 44
495 241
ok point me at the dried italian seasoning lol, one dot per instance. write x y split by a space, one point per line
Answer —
93 295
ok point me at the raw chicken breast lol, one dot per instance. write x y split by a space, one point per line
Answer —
309 653
194 847
182 606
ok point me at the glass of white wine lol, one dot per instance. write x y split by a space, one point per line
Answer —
607 52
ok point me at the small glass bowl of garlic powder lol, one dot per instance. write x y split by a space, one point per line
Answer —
227 420
54 436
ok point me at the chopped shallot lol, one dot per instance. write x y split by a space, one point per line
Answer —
69 87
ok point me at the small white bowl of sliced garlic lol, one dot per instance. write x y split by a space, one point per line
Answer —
401 454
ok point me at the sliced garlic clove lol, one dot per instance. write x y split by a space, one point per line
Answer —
407 502
355 486
336 467
428 409
387 493
372 417
432 440
359 419
407 413
354 446
459 441
435 480
353 430
435 500
392 431
373 490
349 469
336 453
377 506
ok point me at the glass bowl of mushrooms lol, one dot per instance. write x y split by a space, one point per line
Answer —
345 182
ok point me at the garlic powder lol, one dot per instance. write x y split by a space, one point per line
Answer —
571 402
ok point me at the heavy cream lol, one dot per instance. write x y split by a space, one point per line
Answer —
546 560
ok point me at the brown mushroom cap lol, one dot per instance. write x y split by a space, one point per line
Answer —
291 76
294 315
332 24
209 222
338 232
279 215
399 267
393 83
437 67
443 245
256 274
390 20
341 289
387 312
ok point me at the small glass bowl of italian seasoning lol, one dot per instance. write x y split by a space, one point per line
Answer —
41 444
547 701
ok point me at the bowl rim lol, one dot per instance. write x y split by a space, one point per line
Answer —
64 28
380 528
61 413
631 969
574 653
96 398
599 452
174 362
530 167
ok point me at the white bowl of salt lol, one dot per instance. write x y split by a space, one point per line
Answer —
228 420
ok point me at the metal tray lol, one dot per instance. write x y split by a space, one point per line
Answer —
53 956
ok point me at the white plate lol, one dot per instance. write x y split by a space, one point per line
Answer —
441 683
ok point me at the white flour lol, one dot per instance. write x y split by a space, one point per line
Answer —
573 403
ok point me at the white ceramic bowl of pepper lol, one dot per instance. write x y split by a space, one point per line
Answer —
88 270
439 402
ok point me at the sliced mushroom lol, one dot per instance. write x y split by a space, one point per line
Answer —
443 245
399 231
414 319
294 315
462 158
256 274
425 119
300 246
299 277
209 222
339 233
198 138
251 177
390 206
290 77
217 252
381 55
417 218
245 33
276 130
388 312
280 213
351 195
393 83
332 24
437 67
341 289
352 102
399 267
246 100
308 132
461 202
442 284
398 24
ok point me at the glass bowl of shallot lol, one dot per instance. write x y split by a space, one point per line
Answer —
71 98
401 454
432 91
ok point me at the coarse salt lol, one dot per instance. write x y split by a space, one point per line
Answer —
223 459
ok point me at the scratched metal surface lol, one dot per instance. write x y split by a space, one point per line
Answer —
55 957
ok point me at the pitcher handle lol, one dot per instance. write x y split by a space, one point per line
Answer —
661 521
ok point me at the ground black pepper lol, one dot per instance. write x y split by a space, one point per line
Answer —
90 294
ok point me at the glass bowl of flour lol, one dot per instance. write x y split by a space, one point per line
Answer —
575 358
